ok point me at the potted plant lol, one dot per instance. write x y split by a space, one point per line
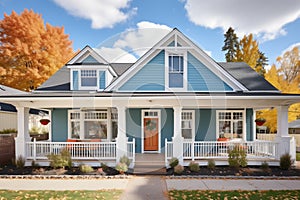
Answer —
260 121
222 138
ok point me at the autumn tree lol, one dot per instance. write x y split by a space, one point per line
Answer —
244 50
30 51
231 45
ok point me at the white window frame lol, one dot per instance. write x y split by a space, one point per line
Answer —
82 124
108 76
192 112
158 116
231 124
182 53
81 76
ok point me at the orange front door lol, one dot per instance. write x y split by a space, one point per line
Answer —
151 134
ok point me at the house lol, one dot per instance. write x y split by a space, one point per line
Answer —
175 101
8 112
294 127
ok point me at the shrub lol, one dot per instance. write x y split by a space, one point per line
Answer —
194 167
285 161
104 166
121 167
9 130
178 169
61 160
211 164
85 168
173 162
265 166
237 156
125 159
20 162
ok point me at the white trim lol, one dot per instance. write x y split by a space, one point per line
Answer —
244 134
84 53
159 129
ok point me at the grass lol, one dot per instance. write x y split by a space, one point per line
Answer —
101 194
298 156
270 194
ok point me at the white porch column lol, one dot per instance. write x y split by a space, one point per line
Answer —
121 138
23 132
282 138
177 138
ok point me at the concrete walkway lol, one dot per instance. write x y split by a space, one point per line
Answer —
149 187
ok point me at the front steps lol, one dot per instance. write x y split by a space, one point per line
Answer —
147 163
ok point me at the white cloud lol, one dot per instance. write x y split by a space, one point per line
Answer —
141 39
128 46
264 18
102 13
116 55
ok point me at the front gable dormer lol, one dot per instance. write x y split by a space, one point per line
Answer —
90 71
176 64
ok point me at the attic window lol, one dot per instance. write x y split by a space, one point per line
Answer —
176 70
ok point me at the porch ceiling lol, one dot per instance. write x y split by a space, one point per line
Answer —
153 101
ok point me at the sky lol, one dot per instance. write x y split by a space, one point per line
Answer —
122 30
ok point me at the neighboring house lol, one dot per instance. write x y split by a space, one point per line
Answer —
8 112
294 127
174 100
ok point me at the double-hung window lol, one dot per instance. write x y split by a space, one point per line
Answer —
187 125
230 124
176 71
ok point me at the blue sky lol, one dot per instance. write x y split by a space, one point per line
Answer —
127 25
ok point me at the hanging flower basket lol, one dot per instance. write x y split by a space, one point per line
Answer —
260 121
44 121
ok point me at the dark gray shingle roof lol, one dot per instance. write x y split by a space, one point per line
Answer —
243 73
120 68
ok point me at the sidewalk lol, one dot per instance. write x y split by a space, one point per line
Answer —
150 187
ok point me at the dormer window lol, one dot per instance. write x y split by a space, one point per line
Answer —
89 79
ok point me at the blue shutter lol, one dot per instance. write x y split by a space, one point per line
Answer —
75 80
102 79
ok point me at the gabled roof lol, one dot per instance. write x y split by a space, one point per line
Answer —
247 76
164 43
84 53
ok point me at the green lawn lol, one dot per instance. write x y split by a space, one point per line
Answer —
298 156
271 194
102 194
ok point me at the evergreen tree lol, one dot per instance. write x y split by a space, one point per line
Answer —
231 45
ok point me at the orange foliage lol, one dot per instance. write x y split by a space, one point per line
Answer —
30 51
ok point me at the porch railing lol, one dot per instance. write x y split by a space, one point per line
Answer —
218 150
78 150
131 150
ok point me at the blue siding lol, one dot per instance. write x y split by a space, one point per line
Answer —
133 126
150 78
90 59
167 127
200 78
59 125
75 80
249 124
205 125
102 80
